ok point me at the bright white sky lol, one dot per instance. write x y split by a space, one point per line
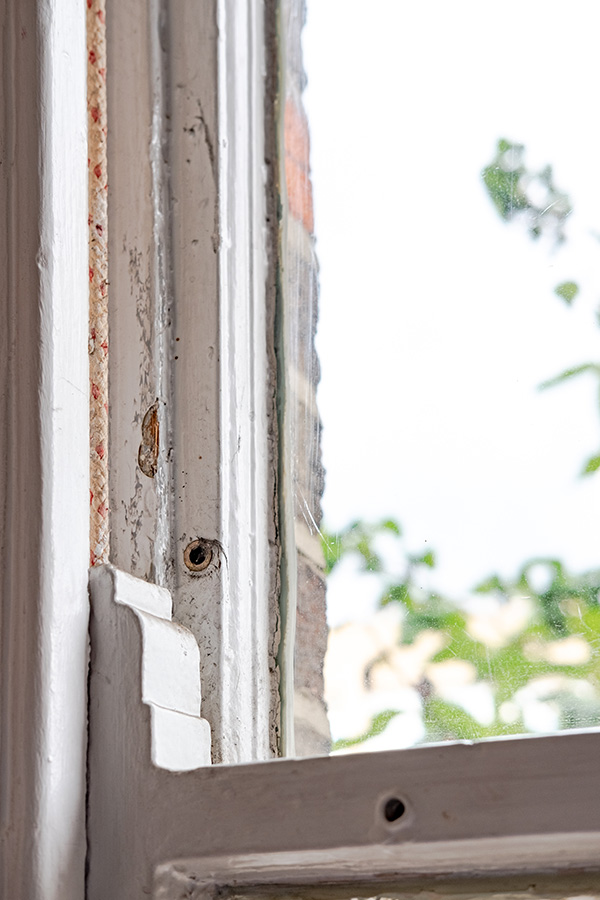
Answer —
438 321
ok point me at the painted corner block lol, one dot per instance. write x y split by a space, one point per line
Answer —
155 661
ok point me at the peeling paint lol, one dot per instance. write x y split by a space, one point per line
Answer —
149 446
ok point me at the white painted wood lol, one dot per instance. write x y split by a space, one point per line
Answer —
151 598
180 742
199 597
248 674
137 294
145 693
171 673
508 807
222 384
44 465
379 870
168 679
188 293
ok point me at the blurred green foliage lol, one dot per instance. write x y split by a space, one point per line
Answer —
566 607
567 291
564 611
517 192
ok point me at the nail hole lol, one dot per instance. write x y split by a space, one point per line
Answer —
394 809
197 555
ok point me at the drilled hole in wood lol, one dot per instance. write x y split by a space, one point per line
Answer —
394 809
197 555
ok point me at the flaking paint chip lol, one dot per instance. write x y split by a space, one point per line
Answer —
148 452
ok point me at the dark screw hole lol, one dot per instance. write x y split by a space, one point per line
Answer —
394 809
198 555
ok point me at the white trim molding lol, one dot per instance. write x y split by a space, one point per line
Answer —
248 689
44 459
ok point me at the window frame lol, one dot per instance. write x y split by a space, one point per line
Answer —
319 820
192 285
44 470
289 822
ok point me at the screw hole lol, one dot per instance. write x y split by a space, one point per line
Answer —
198 555
394 809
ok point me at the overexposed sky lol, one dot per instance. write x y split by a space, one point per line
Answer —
438 321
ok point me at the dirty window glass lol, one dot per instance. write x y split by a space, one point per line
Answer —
453 154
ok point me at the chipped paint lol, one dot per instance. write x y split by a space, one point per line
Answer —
149 446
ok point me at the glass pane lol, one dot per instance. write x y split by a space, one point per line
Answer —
305 724
454 155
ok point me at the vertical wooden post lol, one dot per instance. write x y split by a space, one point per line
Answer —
44 493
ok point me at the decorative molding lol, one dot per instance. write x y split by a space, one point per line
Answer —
168 681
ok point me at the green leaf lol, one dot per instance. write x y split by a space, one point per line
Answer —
398 593
570 373
490 585
445 721
503 188
590 620
379 723
371 561
507 181
592 465
423 559
428 559
391 525
554 565
567 291
332 550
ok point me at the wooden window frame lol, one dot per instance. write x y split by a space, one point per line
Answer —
190 285
45 457
506 810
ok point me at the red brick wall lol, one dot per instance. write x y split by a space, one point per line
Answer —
299 285
297 165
